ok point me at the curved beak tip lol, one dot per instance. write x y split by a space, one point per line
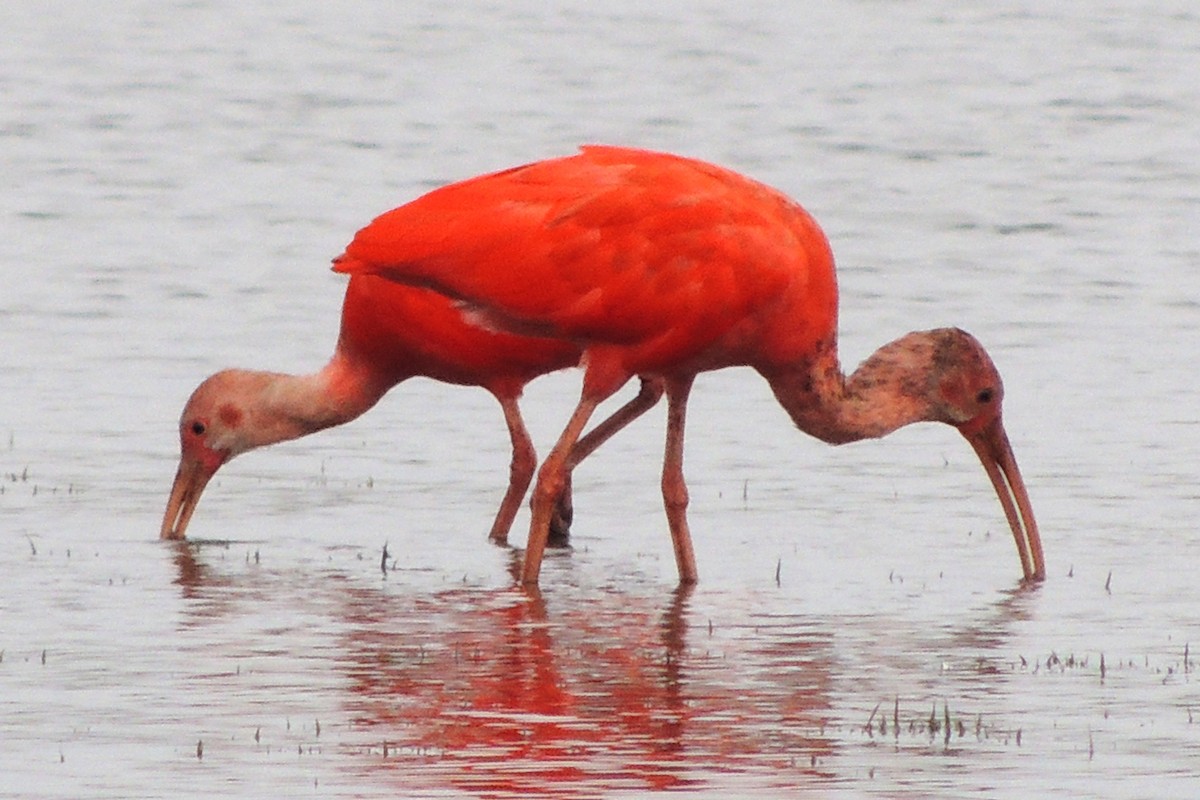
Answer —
190 480
992 446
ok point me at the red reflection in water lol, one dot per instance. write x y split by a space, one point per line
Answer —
575 693
507 694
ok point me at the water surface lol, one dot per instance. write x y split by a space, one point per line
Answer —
179 176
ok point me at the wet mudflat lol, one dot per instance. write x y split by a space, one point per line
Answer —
180 176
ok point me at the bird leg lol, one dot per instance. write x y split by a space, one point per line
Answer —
550 484
649 393
674 488
520 470
560 520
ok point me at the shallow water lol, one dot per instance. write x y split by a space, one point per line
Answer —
179 176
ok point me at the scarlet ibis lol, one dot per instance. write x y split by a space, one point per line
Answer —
389 333
664 267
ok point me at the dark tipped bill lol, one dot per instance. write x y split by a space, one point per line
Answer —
992 446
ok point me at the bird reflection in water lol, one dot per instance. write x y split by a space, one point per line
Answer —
591 688
508 693
505 692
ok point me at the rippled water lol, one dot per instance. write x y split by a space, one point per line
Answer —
178 176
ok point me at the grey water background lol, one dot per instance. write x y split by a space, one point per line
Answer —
177 177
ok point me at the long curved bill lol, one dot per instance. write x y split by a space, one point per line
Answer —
190 480
992 447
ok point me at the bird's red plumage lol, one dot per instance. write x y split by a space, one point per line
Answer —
665 267
402 331
682 264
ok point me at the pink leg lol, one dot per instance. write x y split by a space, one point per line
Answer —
520 470
550 484
674 488
649 393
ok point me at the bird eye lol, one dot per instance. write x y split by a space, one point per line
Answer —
198 428
984 396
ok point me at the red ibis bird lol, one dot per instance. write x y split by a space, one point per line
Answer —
664 267
389 333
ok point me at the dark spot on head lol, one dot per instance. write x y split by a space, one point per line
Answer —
198 428
985 396
230 415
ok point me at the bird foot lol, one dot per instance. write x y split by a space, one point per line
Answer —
560 523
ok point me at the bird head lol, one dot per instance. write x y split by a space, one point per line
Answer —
212 429
968 395
968 392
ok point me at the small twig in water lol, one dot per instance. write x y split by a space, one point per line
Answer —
868 728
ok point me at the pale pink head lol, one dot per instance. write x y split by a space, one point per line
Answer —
221 420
